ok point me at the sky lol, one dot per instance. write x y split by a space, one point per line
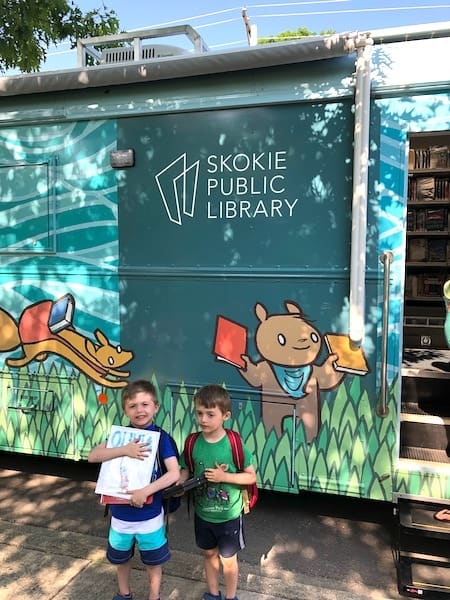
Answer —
221 25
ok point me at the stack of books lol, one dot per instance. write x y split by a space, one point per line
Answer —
434 157
427 250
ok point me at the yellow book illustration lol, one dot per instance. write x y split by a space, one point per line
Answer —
351 359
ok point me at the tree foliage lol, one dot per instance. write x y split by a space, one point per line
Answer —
29 27
289 35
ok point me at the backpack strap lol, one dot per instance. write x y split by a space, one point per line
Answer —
158 454
237 450
249 493
162 469
189 460
189 450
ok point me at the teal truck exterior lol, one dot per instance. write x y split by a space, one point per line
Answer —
236 202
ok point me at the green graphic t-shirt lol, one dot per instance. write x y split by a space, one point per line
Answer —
216 502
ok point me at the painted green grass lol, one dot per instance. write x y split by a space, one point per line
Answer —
352 455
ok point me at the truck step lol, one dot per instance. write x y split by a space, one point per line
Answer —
424 418
422 550
425 433
416 516
419 577
425 396
424 454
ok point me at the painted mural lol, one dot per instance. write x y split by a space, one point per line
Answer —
46 327
59 246
74 330
149 258
289 374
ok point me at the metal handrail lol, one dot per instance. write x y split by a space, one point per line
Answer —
386 259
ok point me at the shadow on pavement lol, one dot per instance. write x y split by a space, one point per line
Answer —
316 537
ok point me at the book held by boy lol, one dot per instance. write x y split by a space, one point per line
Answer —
230 341
119 475
105 499
351 359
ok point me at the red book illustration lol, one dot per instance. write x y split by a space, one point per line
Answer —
105 499
230 341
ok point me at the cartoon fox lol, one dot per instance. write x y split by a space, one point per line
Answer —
100 362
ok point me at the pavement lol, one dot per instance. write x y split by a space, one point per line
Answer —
38 563
53 549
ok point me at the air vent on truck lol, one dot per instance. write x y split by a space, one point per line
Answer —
131 47
126 54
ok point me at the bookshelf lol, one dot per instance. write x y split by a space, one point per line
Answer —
427 239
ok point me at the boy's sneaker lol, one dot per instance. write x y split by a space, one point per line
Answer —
120 597
208 596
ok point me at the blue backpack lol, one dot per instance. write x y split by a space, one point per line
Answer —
172 503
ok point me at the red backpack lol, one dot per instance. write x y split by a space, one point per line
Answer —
250 491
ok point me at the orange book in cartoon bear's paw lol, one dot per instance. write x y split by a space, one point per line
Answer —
351 359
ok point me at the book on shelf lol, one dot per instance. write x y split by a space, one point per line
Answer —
424 285
411 219
412 186
420 219
425 188
436 219
427 219
432 285
351 359
412 286
419 158
61 313
434 157
124 473
428 189
417 250
230 341
439 157
437 250
442 187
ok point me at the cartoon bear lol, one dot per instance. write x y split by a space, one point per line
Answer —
288 376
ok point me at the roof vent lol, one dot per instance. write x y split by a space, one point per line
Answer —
126 54
129 47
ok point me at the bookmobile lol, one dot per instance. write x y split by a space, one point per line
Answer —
189 216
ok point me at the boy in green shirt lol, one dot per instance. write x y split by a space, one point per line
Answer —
219 527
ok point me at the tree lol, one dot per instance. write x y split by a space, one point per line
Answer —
29 27
288 35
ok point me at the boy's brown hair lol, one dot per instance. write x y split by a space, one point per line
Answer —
212 395
134 387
